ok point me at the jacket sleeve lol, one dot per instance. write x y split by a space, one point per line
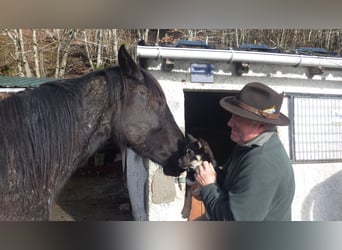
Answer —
216 203
250 194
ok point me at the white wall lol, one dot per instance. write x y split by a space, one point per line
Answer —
318 195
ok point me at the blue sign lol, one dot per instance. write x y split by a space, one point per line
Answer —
202 72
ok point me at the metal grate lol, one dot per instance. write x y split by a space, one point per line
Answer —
316 127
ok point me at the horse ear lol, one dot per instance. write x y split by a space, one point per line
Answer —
128 66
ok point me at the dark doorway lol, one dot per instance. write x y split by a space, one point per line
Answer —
205 118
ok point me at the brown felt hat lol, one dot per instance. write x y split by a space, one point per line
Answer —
257 102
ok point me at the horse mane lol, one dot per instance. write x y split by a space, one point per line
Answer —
37 129
156 94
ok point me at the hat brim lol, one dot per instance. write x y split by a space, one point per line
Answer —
228 104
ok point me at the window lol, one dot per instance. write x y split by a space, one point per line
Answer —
316 127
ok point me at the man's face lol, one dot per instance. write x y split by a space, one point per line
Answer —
244 130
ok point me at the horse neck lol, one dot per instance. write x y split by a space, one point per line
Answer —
98 115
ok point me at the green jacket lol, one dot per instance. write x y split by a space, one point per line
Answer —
257 183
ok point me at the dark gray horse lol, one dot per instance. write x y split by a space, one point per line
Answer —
47 132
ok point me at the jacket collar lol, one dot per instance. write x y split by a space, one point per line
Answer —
261 139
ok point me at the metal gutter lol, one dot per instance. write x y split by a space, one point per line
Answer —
11 90
12 84
230 56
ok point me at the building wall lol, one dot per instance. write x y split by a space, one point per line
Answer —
318 193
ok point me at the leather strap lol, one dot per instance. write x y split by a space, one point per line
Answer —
256 111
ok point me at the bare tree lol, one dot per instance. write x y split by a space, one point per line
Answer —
157 37
99 41
328 38
13 35
35 53
115 42
237 37
190 34
64 40
47 52
16 35
102 46
94 44
23 54
87 45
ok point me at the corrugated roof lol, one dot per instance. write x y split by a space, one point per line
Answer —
22 82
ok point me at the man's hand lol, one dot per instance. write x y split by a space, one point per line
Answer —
205 174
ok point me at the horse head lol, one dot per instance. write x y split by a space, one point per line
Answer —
146 122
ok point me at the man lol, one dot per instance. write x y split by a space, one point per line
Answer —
257 181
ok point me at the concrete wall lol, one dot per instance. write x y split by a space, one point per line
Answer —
318 186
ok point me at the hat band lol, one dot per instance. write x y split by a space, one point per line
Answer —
258 112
